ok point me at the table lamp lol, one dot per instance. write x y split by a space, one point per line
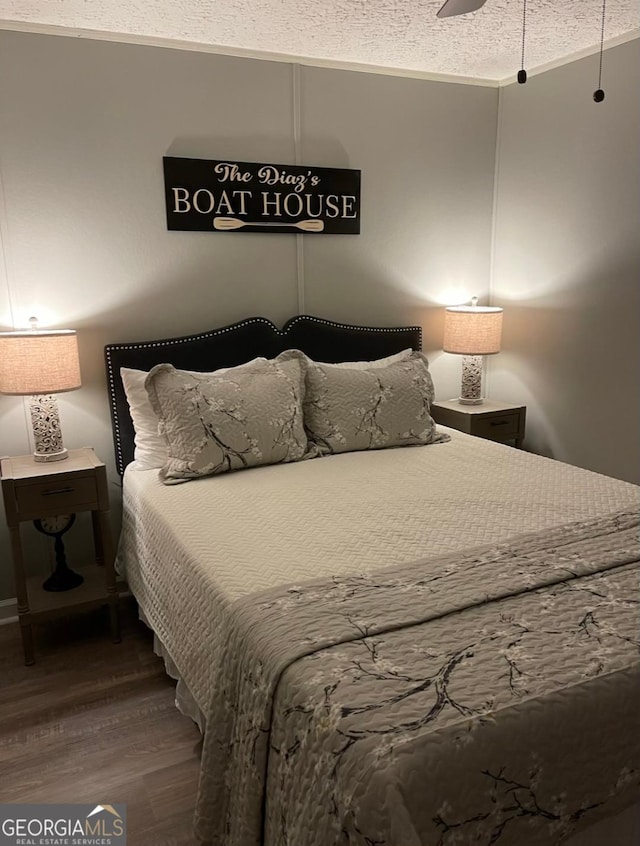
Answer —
39 363
472 331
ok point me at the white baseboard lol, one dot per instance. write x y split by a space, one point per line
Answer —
8 611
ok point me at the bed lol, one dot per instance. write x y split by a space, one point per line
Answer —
429 644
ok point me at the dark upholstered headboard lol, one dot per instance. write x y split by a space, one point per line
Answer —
322 340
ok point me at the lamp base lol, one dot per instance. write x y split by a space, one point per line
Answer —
471 387
51 456
47 434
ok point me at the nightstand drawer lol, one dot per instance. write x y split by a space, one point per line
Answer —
496 427
55 497
494 421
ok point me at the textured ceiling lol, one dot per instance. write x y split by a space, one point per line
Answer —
400 35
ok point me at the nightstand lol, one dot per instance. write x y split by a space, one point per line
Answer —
496 421
33 490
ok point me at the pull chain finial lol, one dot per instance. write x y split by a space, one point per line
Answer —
598 94
522 74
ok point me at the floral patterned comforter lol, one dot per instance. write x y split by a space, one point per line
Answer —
484 698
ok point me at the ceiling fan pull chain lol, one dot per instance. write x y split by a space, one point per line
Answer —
522 74
598 95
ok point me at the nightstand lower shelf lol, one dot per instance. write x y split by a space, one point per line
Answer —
48 604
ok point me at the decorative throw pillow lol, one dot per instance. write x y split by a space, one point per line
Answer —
347 410
216 422
151 449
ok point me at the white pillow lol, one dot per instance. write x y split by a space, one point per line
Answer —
365 365
151 448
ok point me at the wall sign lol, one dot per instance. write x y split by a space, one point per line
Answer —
229 196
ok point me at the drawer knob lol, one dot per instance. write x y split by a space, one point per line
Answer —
57 491
499 422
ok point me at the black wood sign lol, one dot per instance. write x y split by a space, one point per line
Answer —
229 196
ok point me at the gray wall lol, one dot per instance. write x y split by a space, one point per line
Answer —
567 261
83 128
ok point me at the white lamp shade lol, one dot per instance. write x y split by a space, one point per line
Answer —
39 362
472 330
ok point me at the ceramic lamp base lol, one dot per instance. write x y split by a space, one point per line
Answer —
45 421
51 456
471 388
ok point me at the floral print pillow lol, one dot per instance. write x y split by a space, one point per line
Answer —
347 410
216 422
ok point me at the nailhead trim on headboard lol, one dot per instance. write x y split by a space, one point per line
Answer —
309 318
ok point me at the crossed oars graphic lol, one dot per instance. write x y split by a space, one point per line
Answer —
229 223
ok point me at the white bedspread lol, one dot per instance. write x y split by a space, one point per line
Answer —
190 550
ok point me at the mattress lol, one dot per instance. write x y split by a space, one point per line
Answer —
194 553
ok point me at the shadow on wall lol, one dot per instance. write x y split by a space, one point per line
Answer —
347 285
573 364
537 368
243 149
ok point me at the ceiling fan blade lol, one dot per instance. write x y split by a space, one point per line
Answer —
459 7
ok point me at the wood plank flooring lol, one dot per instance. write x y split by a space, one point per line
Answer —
94 721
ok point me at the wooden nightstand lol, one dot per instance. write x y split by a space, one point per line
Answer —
496 421
32 490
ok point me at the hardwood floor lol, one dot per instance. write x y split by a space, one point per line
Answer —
94 721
